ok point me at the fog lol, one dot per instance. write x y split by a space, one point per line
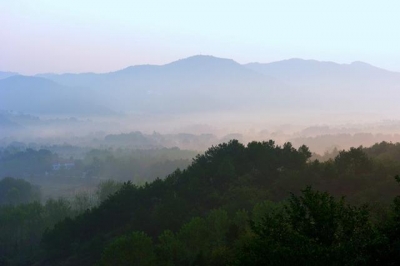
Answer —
323 104
181 109
199 133
130 149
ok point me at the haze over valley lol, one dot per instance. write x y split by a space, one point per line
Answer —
288 99
196 133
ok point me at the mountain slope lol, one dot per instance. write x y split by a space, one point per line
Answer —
4 75
196 83
326 85
42 96
211 84
301 72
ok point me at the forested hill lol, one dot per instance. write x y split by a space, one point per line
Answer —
233 206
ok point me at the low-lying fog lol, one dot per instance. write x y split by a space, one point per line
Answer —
68 132
198 131
321 104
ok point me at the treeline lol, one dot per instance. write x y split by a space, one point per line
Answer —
138 166
311 229
233 206
26 163
24 218
228 178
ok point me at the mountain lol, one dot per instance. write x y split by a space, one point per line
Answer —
357 86
42 96
311 72
196 83
323 75
203 69
211 84
4 75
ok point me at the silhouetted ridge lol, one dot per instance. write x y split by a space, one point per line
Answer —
204 60
39 95
27 81
4 75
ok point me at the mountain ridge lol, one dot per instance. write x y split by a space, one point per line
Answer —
45 96
6 74
207 83
190 58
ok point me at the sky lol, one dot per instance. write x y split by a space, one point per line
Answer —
60 36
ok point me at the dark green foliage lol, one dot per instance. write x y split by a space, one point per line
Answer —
26 163
201 241
106 189
214 179
22 227
313 229
354 161
242 205
230 177
390 227
17 191
133 249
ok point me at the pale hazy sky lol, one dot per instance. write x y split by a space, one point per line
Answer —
92 35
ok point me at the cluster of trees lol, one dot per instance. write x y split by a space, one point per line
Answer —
24 218
26 163
121 164
243 205
135 165
22 227
17 191
313 228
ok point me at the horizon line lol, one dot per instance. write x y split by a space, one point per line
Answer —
196 55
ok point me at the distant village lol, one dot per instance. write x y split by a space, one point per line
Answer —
65 166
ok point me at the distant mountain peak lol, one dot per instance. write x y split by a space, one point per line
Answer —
191 61
31 80
6 74
203 59
368 67
361 64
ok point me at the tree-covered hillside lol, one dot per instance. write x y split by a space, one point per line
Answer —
259 204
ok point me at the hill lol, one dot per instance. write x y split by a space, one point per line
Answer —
4 75
198 83
225 184
42 96
357 87
201 84
207 83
